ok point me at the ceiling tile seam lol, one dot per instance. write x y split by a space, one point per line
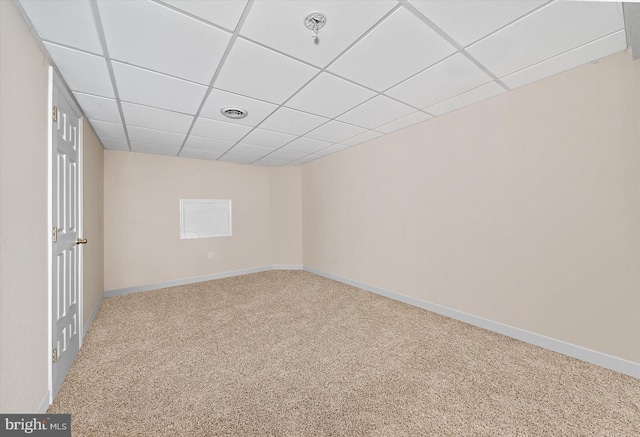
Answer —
192 16
129 64
323 70
68 47
511 23
110 138
243 95
286 144
336 119
451 41
273 112
160 146
283 104
152 128
461 94
46 53
134 66
316 127
93 4
564 53
309 64
146 106
418 73
232 41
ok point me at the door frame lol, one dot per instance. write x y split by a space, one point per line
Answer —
54 80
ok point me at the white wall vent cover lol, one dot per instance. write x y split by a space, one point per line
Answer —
205 218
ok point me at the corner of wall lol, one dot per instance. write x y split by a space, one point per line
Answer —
286 215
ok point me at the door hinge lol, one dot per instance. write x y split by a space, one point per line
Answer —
54 234
54 356
55 113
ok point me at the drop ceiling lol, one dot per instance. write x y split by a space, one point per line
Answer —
152 76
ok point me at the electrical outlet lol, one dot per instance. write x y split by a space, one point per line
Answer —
210 255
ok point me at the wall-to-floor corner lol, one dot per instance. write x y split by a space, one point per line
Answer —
523 210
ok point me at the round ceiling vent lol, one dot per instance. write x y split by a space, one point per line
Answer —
233 112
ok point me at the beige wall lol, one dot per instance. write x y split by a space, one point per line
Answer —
142 240
24 233
23 216
523 209
93 198
286 216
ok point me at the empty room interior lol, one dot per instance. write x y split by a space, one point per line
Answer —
252 217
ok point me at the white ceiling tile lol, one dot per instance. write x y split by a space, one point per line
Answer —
179 41
219 130
369 135
145 87
287 155
105 129
223 13
199 154
267 138
154 118
218 99
444 80
99 108
319 96
280 24
470 97
81 71
308 145
332 149
208 144
376 112
308 158
67 22
403 122
254 71
589 52
467 21
155 137
335 131
112 144
551 30
236 159
154 149
400 46
268 162
292 122
398 55
248 152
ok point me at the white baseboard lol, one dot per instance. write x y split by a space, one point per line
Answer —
287 267
610 362
195 279
44 405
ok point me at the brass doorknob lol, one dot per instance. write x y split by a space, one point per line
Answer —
81 241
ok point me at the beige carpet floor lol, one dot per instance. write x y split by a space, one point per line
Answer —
292 353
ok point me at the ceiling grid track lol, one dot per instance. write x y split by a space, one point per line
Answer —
232 41
152 75
452 41
322 70
103 41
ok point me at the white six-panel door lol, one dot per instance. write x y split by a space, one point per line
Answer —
66 250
